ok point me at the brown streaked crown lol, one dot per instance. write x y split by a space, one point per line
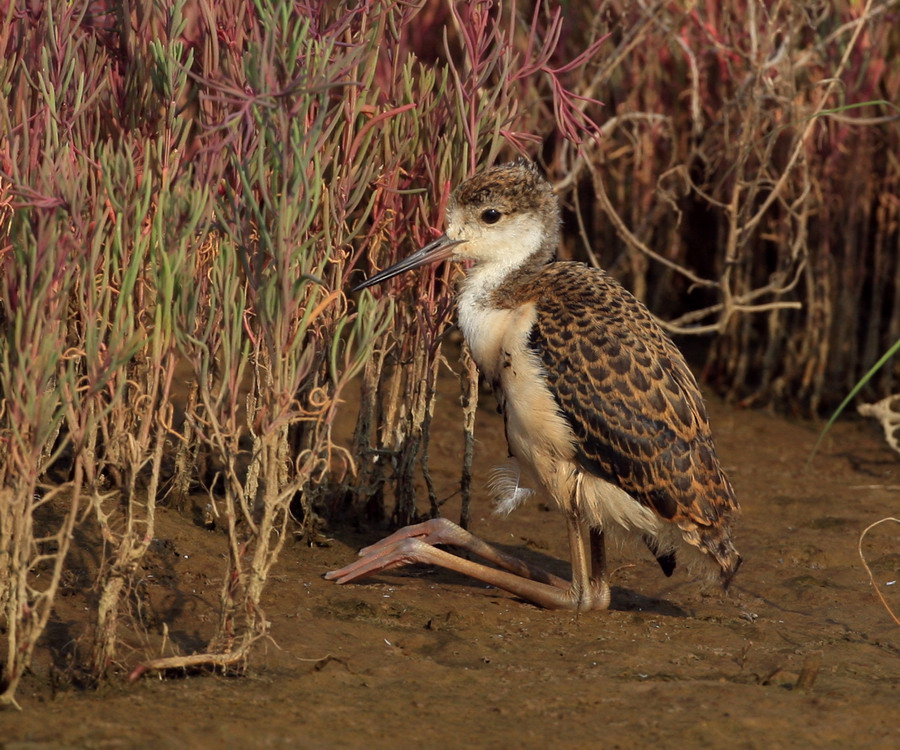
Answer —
511 188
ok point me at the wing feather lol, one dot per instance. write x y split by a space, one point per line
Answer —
631 401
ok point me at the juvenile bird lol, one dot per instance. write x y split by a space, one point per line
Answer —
601 412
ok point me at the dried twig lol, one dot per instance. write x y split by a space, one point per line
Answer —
869 570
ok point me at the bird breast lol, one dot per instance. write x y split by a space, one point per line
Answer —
536 431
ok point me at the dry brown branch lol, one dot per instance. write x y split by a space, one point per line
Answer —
800 143
28 602
469 382
869 570
573 172
129 526
635 243
234 658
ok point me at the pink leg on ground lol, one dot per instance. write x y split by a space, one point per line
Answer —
414 544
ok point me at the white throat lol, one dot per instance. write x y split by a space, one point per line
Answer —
481 321
498 252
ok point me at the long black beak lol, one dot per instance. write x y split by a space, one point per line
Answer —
433 252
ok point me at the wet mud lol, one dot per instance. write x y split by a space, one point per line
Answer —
800 653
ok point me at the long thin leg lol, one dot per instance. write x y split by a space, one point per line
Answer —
414 545
599 581
377 557
589 585
578 552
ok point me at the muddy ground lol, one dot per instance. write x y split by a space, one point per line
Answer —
799 654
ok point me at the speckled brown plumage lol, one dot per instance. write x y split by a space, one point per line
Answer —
512 188
630 399
601 412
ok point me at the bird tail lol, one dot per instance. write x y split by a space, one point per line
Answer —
728 558
718 551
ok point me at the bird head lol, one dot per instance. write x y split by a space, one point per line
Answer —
507 215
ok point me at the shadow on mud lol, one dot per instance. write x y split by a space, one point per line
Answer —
623 599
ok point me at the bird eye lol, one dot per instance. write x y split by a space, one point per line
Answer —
491 216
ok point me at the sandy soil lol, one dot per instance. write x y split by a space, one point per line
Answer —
799 654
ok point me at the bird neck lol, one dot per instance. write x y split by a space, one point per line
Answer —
493 284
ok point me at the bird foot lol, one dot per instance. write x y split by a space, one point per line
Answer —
415 544
411 544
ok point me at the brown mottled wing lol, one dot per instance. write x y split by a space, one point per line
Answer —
632 403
